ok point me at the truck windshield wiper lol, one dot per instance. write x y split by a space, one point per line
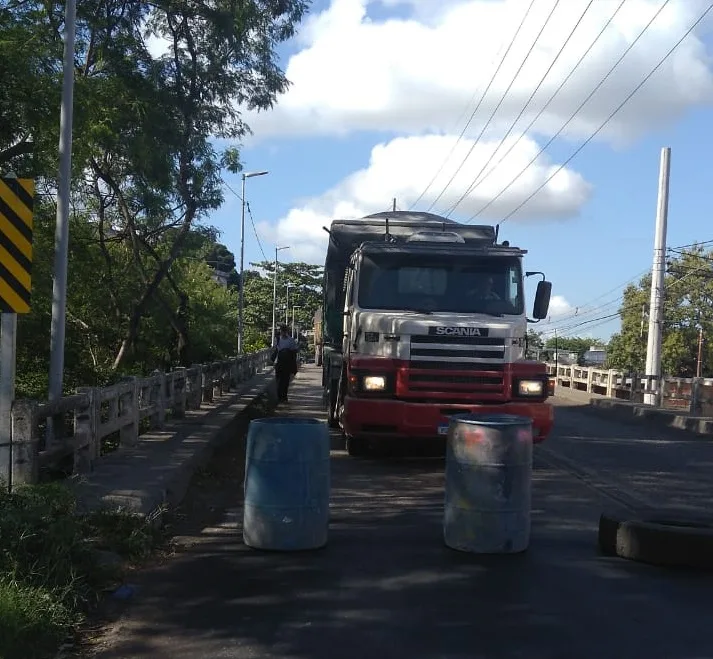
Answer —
489 313
427 312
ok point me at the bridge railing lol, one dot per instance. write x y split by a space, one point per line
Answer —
688 395
97 420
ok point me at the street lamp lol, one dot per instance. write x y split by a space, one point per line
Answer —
294 307
274 294
246 175
287 301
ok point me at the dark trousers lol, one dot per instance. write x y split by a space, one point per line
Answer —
282 375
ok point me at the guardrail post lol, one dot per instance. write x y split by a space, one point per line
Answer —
25 443
227 377
206 384
695 405
218 389
93 412
85 432
180 393
194 382
234 373
129 410
158 399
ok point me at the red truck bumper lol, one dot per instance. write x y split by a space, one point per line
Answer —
399 419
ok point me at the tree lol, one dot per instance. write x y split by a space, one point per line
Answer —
688 309
146 172
305 298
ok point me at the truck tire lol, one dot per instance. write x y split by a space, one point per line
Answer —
663 538
357 447
332 419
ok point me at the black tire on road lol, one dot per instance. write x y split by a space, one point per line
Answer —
667 539
608 528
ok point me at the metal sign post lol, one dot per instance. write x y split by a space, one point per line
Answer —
8 353
16 215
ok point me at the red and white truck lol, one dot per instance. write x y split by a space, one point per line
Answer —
423 318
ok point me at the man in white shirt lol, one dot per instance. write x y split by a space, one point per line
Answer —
285 357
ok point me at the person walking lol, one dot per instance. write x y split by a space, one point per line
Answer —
284 355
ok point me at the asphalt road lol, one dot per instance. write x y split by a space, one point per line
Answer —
386 587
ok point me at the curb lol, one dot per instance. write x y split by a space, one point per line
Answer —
636 414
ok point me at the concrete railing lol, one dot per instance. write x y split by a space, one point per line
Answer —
688 395
88 420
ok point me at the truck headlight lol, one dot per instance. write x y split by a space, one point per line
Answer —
530 388
374 383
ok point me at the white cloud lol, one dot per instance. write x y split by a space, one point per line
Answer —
412 78
405 166
419 73
559 307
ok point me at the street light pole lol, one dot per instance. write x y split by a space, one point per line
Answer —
294 308
287 303
242 257
59 285
274 294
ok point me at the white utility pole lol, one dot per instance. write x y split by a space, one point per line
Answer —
294 309
274 295
61 250
287 302
242 256
658 271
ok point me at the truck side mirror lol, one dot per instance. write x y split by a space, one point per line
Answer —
542 300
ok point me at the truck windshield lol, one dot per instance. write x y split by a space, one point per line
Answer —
443 283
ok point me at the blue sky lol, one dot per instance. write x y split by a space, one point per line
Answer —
400 73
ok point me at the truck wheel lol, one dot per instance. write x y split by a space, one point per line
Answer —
332 419
357 447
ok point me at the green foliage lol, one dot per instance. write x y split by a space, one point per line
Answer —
146 173
688 308
50 570
305 297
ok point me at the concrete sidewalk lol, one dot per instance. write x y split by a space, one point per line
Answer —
155 474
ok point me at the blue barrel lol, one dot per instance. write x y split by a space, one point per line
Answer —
488 483
287 482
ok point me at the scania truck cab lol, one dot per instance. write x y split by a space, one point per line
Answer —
423 318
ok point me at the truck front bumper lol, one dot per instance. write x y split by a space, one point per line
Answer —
398 419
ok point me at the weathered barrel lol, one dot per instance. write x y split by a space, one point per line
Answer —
287 482
488 483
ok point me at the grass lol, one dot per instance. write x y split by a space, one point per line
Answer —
51 567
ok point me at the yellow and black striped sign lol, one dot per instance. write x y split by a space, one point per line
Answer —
16 208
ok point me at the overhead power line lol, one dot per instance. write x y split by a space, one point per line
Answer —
601 126
257 237
477 183
500 102
527 103
608 119
470 102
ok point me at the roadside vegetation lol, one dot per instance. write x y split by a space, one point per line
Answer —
55 565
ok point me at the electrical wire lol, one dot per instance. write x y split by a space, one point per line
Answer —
502 61
527 103
601 126
477 183
470 102
257 237
611 116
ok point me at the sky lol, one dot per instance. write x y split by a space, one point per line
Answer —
412 100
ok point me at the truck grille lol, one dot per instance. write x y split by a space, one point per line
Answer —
470 366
